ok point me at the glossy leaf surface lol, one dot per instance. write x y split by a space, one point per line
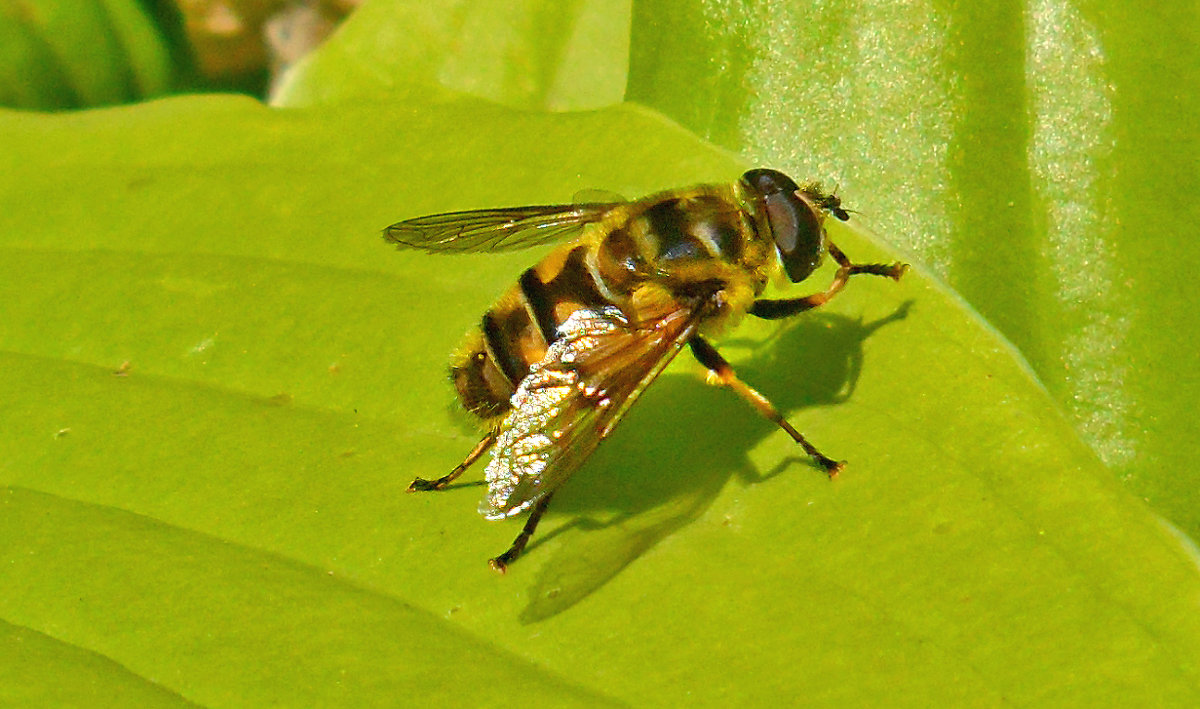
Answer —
220 379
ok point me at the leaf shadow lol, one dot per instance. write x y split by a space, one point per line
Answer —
623 506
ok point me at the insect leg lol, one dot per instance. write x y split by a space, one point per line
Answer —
442 482
776 309
722 373
500 563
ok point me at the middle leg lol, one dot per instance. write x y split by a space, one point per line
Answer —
722 373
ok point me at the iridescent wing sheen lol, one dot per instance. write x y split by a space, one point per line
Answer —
577 394
495 229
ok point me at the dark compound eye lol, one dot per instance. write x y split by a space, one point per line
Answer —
767 182
795 223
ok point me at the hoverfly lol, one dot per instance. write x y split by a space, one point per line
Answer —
554 365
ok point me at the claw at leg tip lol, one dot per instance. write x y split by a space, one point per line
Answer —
423 485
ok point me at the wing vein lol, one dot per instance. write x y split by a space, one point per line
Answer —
495 229
574 398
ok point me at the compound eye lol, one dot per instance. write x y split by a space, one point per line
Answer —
799 238
794 221
766 182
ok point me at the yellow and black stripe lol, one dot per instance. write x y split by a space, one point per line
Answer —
694 243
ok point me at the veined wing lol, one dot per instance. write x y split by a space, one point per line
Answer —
577 394
495 229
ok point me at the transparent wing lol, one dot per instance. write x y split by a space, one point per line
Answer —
495 229
577 394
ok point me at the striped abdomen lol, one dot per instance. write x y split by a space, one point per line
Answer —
678 242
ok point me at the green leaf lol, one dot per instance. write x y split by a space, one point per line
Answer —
58 54
1041 158
522 53
219 380
34 666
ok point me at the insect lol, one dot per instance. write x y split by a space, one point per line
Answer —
556 363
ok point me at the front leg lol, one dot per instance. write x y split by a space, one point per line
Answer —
776 309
